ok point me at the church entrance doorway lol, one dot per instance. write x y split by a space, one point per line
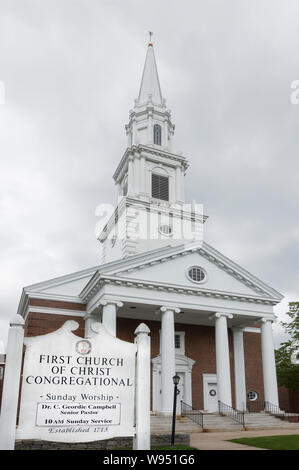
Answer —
184 371
210 393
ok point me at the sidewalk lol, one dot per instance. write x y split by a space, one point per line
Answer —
218 441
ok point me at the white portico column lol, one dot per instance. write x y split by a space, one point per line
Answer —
222 358
109 315
240 383
167 358
268 358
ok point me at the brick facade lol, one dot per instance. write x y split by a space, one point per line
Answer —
38 323
199 346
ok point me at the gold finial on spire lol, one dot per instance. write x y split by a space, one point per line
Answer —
150 38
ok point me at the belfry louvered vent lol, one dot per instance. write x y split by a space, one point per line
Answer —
160 188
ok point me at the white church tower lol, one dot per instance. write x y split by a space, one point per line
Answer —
151 211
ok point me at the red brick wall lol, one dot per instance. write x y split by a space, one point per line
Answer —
288 399
43 323
254 366
284 398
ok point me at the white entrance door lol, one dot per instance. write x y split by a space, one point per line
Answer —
210 393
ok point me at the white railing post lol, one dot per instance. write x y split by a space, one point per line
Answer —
11 383
142 398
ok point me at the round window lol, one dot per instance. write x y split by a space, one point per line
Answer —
196 274
252 395
165 229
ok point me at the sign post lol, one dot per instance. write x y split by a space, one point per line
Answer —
142 406
11 383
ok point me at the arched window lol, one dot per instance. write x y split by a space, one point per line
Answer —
157 134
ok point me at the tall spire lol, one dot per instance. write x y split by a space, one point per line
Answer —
150 119
150 84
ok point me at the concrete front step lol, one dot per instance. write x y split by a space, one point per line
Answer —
264 420
162 424
215 422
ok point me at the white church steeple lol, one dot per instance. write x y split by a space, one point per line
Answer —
151 211
150 84
150 120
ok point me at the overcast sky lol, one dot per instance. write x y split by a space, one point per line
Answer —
71 70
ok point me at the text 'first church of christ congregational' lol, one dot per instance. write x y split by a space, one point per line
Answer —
210 320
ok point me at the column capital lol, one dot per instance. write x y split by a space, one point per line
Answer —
265 319
117 303
220 314
238 329
173 309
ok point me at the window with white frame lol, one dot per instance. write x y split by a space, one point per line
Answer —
252 395
179 342
196 274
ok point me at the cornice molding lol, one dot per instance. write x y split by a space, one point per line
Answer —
265 294
125 282
147 150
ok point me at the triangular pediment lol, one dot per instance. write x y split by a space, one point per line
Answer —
171 266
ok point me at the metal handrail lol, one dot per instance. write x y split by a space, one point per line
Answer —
191 413
236 415
282 414
273 409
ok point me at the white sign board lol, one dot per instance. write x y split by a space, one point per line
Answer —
75 389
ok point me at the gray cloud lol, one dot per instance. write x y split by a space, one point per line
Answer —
72 69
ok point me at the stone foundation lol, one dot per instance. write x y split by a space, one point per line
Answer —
109 444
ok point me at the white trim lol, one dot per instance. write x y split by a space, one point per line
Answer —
56 297
131 296
143 260
249 329
53 310
199 291
183 364
181 349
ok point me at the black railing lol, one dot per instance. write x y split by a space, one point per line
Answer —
292 416
194 415
227 410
